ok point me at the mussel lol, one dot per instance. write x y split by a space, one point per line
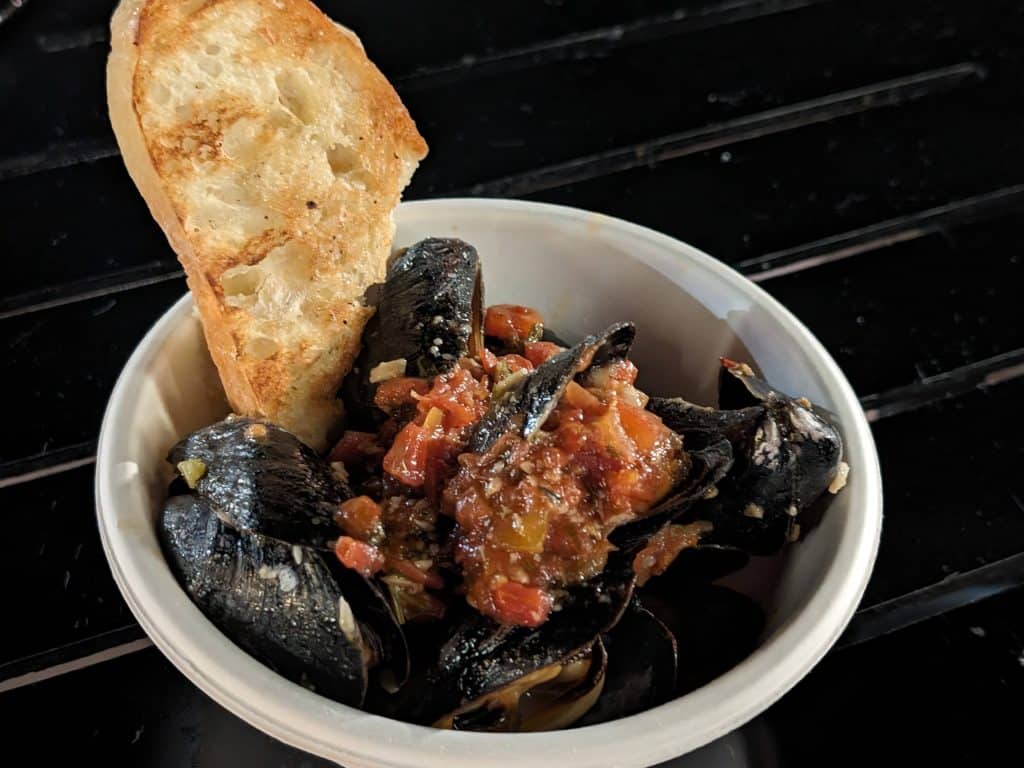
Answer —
251 519
429 314
550 698
256 500
527 404
710 457
262 479
714 627
641 666
277 601
480 674
786 456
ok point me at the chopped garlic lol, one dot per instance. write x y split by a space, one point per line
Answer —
390 369
256 431
839 481
347 621
434 418
505 385
755 511
192 470
338 468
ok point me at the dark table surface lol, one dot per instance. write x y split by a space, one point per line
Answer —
864 161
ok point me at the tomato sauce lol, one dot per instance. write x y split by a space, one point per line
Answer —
520 522
536 513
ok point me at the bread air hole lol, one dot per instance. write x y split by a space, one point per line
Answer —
343 160
345 165
295 95
261 347
160 94
241 283
212 67
275 286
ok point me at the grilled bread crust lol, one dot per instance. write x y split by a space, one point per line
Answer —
272 153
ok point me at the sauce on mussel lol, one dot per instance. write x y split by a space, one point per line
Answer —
531 515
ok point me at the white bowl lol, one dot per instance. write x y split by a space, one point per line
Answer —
583 271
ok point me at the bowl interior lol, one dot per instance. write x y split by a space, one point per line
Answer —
583 271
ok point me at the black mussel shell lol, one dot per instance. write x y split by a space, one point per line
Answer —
552 337
685 418
708 562
387 639
786 455
429 314
278 602
715 627
554 697
710 460
641 667
481 656
261 479
527 405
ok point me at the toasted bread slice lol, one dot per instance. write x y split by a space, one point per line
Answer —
272 152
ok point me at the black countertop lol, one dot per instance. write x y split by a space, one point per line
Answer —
863 161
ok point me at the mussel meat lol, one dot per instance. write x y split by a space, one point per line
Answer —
553 697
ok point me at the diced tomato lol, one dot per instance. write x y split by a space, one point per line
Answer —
360 517
488 360
406 460
398 391
623 370
521 605
511 323
645 428
359 556
354 447
462 398
539 351
578 397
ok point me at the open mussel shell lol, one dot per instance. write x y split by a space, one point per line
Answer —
481 657
527 405
710 459
641 670
548 699
715 627
429 314
278 602
386 639
262 479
